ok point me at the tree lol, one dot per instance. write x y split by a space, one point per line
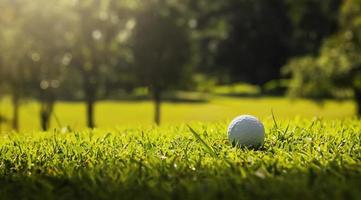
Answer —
48 53
99 30
256 45
263 35
161 51
14 56
250 40
338 65
311 22
32 59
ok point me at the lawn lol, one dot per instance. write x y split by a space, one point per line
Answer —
301 159
109 114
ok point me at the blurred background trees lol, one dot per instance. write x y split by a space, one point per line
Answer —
92 50
14 71
337 66
250 40
96 48
47 53
161 51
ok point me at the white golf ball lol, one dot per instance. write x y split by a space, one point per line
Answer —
246 130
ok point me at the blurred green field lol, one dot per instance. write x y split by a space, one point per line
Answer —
125 113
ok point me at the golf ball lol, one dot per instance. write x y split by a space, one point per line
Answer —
246 130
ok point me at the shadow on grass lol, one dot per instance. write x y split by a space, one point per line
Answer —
329 182
251 95
3 119
171 99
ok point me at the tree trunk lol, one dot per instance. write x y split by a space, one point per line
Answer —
15 102
90 91
44 120
90 113
157 103
357 93
45 114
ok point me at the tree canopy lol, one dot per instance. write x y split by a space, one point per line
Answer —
337 66
161 51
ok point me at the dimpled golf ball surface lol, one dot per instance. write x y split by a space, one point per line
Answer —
246 130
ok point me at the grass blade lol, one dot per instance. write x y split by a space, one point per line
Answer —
196 135
274 120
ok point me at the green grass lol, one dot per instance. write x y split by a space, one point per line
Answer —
301 159
109 114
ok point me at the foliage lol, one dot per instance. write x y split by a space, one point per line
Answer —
48 53
255 38
99 31
32 62
303 70
309 159
311 22
161 48
161 51
338 65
